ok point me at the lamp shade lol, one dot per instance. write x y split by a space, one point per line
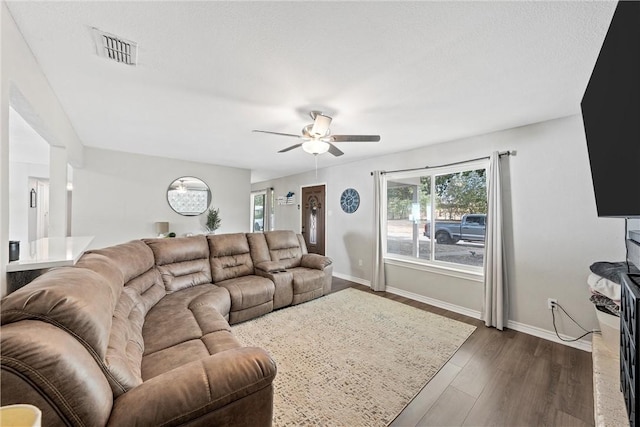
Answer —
162 227
21 415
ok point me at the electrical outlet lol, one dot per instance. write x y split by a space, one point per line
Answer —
551 303
359 263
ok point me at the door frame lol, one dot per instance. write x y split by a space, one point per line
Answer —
253 210
326 211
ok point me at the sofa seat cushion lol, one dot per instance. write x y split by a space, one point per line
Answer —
189 314
308 284
230 388
186 352
251 296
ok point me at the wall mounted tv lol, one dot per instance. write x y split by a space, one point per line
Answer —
611 115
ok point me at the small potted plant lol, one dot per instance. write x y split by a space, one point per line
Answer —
213 220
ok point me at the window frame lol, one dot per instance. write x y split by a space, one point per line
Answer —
431 265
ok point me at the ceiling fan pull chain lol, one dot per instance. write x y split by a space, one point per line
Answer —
315 156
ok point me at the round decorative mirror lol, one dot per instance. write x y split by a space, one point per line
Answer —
189 196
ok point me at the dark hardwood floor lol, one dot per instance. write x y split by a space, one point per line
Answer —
500 379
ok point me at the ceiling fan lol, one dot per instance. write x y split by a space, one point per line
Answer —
317 138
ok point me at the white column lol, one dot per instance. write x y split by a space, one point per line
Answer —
57 191
4 181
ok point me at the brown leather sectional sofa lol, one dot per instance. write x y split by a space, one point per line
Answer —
138 333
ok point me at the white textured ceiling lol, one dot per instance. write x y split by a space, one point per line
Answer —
415 73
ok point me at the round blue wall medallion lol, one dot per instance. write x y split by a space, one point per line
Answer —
350 200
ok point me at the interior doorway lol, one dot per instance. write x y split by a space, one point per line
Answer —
313 218
38 208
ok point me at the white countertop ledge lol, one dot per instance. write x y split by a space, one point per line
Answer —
50 252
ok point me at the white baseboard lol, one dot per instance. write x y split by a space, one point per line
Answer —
435 302
516 326
582 344
357 280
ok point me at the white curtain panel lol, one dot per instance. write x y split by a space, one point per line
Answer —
494 310
378 282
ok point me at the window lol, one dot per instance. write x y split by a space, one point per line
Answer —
437 216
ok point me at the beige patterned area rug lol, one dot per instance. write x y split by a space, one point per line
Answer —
351 358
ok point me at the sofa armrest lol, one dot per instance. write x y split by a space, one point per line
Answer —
318 262
270 266
196 389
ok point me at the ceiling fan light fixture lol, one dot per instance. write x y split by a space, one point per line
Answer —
320 125
315 146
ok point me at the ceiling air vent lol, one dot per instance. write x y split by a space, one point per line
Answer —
115 48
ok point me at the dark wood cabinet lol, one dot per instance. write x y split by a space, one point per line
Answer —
629 341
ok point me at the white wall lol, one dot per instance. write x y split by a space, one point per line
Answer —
553 230
24 86
118 196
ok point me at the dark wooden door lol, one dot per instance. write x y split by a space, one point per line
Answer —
313 212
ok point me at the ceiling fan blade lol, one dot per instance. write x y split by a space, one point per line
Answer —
334 150
355 138
284 150
276 133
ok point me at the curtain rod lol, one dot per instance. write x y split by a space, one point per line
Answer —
503 153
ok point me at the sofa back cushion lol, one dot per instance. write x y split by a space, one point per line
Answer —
258 248
302 243
104 266
77 300
284 247
230 256
132 258
126 346
47 367
142 290
182 261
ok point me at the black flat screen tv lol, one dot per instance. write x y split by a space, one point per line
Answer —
611 115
